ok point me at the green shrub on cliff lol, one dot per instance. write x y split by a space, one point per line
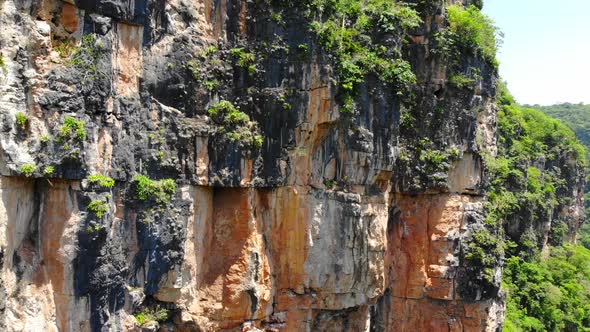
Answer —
28 170
148 315
461 81
235 124
244 59
64 47
346 31
21 120
224 112
102 180
472 31
161 191
48 170
71 129
98 207
485 250
86 58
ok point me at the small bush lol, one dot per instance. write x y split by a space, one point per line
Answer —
211 84
160 155
236 124
148 315
98 207
194 68
435 157
21 120
209 51
303 49
471 30
86 58
2 63
102 180
160 191
461 81
93 228
244 59
28 169
48 170
277 18
65 48
398 72
70 129
485 251
258 141
224 112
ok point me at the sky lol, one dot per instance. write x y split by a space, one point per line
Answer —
545 57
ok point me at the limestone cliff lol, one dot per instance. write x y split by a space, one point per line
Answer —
253 190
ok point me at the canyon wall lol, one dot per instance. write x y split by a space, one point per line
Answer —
308 218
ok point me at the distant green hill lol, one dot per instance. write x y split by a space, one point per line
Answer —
576 116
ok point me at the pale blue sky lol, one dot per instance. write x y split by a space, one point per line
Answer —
546 53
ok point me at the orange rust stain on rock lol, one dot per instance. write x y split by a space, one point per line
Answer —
237 271
216 16
16 192
423 245
246 172
424 315
422 271
410 247
58 211
418 39
207 10
319 108
69 17
104 150
243 16
288 239
129 58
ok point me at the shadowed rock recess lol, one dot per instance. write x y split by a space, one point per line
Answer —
261 183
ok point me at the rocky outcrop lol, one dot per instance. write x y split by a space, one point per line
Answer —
298 217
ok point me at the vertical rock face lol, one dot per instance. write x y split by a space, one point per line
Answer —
333 221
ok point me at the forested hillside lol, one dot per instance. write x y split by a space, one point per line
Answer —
575 116
547 283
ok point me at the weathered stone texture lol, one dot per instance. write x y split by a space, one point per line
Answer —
323 228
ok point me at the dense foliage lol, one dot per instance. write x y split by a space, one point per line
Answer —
161 191
469 32
234 124
102 180
529 183
350 30
362 37
577 117
551 294
472 31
